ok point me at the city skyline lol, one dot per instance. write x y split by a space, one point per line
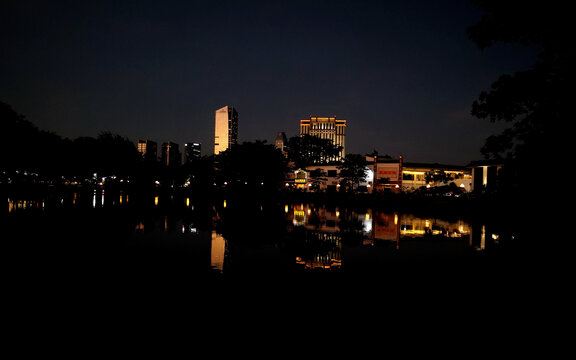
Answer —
404 74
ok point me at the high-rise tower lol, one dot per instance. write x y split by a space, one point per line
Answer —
225 129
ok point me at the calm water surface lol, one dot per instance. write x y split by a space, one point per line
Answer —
162 231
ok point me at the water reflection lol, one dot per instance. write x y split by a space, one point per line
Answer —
226 235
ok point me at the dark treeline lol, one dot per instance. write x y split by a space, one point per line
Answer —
25 148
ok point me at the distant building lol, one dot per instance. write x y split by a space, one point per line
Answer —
192 151
326 128
225 129
281 143
148 149
171 154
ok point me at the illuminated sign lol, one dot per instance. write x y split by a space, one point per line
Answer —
300 177
388 171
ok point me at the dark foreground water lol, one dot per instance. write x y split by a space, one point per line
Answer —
117 233
89 269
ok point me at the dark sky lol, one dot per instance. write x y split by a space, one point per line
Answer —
403 73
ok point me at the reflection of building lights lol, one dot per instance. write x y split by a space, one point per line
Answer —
286 208
395 219
224 204
187 202
156 200
308 211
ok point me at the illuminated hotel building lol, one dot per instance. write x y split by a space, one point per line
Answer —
326 128
225 129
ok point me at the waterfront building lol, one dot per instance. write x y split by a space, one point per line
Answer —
396 174
148 149
171 154
225 129
326 128
384 173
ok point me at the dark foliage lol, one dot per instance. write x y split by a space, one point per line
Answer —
24 147
311 150
250 166
535 102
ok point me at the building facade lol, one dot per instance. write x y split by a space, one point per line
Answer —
326 128
225 129
281 142
148 149
192 151
171 154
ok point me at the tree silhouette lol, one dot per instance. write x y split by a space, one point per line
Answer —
309 150
535 102
250 166
353 170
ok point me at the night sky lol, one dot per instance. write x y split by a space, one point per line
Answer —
403 73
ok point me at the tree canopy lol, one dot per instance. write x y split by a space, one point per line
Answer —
312 150
534 101
250 165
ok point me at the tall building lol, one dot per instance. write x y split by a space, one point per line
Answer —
148 149
171 154
281 143
225 129
326 128
192 151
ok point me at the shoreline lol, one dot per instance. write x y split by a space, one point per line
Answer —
469 205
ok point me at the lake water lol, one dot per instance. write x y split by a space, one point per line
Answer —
176 233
